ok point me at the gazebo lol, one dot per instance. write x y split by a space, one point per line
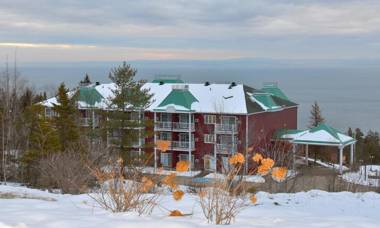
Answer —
321 135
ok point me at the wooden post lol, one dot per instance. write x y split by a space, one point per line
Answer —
294 156
341 159
351 154
307 154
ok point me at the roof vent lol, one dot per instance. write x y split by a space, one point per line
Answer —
207 83
232 85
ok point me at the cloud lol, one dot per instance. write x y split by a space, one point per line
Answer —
51 46
266 28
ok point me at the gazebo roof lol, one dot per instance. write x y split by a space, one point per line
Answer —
319 135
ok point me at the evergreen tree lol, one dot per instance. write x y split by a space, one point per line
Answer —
85 81
42 139
127 107
65 120
315 116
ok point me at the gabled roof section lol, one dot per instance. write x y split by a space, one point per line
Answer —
319 135
273 89
180 98
88 95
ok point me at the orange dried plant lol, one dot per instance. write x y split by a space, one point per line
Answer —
182 166
177 195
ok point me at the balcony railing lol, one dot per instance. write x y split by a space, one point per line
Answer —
173 126
182 126
88 122
225 128
182 145
226 148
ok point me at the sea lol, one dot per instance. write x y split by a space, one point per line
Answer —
348 96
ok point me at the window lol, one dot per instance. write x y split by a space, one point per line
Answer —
209 119
166 117
184 137
228 120
184 118
208 138
166 135
166 159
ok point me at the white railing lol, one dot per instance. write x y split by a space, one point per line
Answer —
226 128
226 148
173 126
182 145
88 122
163 126
182 126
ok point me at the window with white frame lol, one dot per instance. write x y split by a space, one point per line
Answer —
208 138
166 159
209 119
165 135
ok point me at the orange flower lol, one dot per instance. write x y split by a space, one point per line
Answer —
175 213
147 184
163 145
265 167
253 199
237 158
257 157
279 173
182 166
263 170
177 195
169 181
267 162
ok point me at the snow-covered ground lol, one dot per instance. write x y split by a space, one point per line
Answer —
305 209
366 175
150 170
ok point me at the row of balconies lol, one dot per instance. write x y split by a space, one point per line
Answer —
184 127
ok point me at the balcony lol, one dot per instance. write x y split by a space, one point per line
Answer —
226 148
87 122
226 128
182 145
173 126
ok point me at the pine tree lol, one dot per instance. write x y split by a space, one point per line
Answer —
65 120
315 116
127 110
86 81
42 139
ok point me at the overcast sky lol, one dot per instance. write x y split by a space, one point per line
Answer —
95 30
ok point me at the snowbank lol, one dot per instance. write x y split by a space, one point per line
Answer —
304 209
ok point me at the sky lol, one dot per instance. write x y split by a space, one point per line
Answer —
115 30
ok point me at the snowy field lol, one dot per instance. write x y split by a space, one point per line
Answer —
305 209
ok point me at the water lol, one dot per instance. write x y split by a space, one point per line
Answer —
348 96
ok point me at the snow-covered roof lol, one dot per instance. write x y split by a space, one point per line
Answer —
320 135
212 98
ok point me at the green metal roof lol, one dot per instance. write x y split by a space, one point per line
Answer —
88 95
280 133
330 130
180 97
272 88
267 100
